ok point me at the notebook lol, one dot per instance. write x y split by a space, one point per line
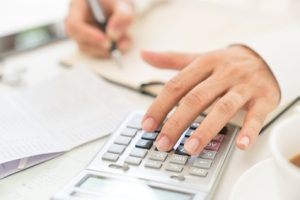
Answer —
42 122
197 26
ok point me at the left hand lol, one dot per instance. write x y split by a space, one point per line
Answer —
234 78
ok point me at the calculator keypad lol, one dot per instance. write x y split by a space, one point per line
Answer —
174 167
116 149
153 164
158 155
110 157
142 153
144 144
133 160
137 152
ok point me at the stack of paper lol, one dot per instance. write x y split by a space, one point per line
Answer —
39 123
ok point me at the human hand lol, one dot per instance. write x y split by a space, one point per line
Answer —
81 26
233 78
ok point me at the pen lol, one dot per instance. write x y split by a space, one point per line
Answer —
99 15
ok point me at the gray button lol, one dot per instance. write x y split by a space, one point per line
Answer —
174 167
123 140
135 122
153 164
206 154
117 149
158 155
110 157
137 152
179 159
133 160
182 142
149 136
129 132
189 132
202 163
195 125
198 172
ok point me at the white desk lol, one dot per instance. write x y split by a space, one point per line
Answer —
41 181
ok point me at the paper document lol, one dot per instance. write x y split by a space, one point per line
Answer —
58 115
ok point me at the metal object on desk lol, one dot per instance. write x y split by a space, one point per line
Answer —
30 39
101 20
12 77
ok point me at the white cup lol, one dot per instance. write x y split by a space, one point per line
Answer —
285 144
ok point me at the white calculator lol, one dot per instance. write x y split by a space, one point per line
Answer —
130 167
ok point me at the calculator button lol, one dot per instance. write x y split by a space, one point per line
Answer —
189 132
116 148
133 160
202 163
144 144
174 167
137 152
206 154
159 128
110 157
181 151
213 146
198 172
218 138
178 159
158 155
153 164
195 125
224 130
199 119
183 140
135 122
123 140
149 136
129 132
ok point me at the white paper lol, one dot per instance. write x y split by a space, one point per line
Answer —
20 135
58 115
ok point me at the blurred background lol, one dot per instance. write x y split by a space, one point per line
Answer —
30 19
31 24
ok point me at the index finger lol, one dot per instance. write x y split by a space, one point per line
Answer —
174 90
89 34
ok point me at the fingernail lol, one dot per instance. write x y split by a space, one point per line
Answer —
244 141
163 144
148 124
192 145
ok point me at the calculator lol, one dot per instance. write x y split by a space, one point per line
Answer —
129 166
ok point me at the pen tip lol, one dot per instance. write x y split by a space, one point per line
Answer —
117 56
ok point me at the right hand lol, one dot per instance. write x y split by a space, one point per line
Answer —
81 26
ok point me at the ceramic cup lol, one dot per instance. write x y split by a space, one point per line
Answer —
284 145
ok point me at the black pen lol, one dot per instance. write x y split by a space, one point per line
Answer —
100 17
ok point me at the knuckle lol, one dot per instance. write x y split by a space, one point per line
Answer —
70 27
226 107
257 118
194 99
174 85
172 123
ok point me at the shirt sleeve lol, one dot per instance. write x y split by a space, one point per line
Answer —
281 51
142 6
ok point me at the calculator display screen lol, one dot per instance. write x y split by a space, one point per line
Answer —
109 188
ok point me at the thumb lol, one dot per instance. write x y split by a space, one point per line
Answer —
120 20
168 60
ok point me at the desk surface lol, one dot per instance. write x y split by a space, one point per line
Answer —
41 181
